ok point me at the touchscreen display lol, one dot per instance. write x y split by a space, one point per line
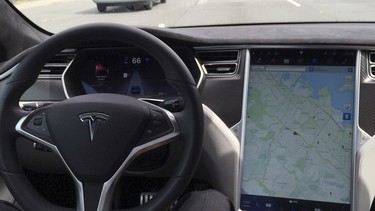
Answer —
297 149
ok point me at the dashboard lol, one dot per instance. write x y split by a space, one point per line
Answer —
297 117
298 98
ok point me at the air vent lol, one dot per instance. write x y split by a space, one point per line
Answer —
372 57
372 64
220 68
219 63
372 69
58 63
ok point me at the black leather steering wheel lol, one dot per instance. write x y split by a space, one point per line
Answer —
98 135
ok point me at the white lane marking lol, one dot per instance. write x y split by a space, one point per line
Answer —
202 2
24 5
294 3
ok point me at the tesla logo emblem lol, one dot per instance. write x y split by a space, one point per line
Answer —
93 119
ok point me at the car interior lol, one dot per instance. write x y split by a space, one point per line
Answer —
115 117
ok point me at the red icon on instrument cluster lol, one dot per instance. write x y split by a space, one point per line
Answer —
101 71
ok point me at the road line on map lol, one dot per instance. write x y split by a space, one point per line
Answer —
294 3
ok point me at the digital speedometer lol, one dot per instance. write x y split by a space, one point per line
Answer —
127 71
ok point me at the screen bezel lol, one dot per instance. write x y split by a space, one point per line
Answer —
356 129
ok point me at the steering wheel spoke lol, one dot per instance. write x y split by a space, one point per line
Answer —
161 128
91 197
34 126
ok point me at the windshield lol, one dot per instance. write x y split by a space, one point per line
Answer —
57 15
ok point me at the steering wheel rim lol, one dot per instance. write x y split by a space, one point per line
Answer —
190 120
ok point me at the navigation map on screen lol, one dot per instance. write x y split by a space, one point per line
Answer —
299 134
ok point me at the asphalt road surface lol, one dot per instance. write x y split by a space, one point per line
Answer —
56 15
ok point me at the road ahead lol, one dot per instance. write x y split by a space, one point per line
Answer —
56 15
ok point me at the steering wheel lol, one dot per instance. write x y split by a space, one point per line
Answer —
98 135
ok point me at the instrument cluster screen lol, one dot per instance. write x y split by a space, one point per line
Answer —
127 71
